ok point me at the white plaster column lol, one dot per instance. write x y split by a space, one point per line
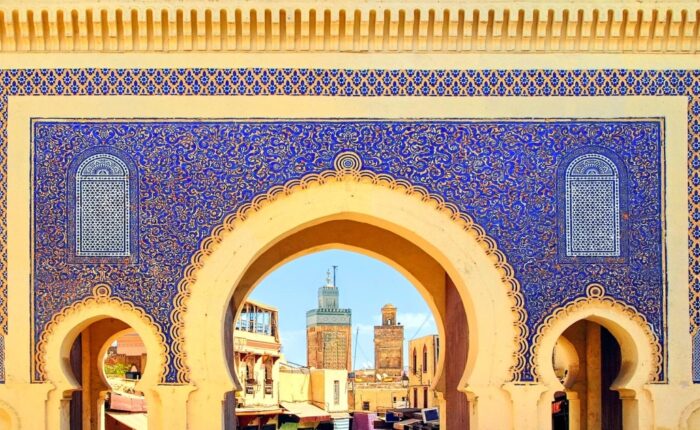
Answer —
574 410
490 408
527 410
100 419
637 409
167 407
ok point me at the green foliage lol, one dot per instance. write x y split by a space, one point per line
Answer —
116 369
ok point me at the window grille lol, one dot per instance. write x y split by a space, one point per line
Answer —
592 207
102 218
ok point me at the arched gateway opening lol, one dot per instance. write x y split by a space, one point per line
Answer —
413 263
313 346
459 275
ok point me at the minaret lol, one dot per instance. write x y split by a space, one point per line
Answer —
328 329
328 295
388 344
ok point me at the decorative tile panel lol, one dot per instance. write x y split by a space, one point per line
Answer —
245 158
339 82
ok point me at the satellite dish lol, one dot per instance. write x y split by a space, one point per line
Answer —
379 377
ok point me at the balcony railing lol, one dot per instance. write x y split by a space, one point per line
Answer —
250 386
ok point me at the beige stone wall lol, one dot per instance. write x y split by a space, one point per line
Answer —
517 401
421 376
379 396
295 386
323 389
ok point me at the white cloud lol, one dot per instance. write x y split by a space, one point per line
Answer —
413 321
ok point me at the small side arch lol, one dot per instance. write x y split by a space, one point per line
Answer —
640 350
105 347
53 350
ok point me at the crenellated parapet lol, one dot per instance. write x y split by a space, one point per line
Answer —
343 26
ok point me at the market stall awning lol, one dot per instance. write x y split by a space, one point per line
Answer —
306 412
258 411
136 421
340 415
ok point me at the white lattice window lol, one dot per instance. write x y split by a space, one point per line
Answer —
102 207
592 207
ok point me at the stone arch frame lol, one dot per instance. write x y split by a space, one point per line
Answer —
640 348
623 198
483 278
569 350
56 341
133 191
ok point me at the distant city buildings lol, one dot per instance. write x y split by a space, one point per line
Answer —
256 354
384 387
423 358
276 394
328 331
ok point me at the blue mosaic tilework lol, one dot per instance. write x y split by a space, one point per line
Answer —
193 174
463 83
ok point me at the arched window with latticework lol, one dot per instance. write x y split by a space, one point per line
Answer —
593 207
103 208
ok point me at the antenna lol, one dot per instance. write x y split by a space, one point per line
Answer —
335 270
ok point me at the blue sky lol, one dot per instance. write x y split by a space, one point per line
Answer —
365 286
